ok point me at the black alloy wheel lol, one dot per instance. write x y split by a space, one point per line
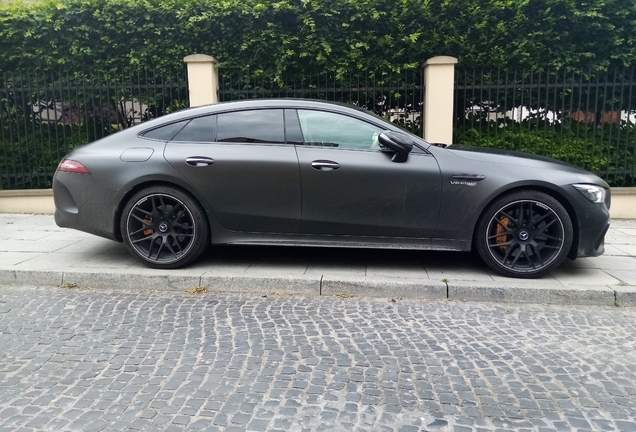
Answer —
525 234
164 227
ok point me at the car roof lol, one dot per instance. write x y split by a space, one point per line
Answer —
292 103
266 103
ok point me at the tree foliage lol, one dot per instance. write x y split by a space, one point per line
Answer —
299 35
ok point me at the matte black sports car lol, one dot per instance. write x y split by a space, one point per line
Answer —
310 173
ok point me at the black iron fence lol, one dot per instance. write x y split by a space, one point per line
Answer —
44 115
395 96
587 118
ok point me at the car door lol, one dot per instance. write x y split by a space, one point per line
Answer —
240 163
351 187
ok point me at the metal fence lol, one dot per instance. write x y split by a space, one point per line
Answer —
44 115
587 118
395 96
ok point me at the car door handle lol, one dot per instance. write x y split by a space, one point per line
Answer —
199 161
325 165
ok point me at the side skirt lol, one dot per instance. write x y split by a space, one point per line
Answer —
342 241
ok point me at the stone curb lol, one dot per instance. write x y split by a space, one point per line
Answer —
625 295
31 277
525 291
510 291
384 287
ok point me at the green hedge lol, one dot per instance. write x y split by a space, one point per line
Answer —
608 150
273 37
304 35
28 162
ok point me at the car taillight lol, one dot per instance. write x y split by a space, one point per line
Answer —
68 165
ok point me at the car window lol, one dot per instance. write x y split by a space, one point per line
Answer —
200 129
327 129
165 133
253 126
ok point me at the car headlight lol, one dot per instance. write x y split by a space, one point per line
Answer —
594 193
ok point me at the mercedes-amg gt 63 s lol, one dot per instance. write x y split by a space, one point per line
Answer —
311 173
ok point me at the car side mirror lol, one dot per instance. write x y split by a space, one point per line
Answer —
398 142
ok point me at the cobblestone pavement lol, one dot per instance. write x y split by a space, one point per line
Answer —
107 360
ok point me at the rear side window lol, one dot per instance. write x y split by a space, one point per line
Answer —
200 129
165 133
254 126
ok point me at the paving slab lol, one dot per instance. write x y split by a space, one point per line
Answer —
624 276
613 250
627 249
34 251
604 262
583 276
29 235
43 245
116 258
52 261
268 267
400 270
617 238
331 268
89 246
13 258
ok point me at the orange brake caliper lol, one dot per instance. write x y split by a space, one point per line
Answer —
148 231
501 229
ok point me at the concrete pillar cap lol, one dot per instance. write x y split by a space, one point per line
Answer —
440 60
199 58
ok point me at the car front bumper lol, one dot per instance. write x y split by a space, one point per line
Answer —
593 221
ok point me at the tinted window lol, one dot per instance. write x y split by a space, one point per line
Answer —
165 133
336 130
254 126
200 129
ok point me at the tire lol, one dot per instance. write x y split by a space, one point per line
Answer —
164 227
524 234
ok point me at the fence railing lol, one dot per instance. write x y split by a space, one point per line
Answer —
587 118
44 115
395 96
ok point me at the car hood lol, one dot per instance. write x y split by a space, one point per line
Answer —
513 158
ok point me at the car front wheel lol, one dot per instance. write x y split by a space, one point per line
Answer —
524 234
164 227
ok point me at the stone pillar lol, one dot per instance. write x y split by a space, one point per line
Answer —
439 85
203 79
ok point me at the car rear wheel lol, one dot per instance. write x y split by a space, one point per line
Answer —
164 227
524 234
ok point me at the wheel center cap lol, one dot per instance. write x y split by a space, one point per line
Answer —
523 235
163 227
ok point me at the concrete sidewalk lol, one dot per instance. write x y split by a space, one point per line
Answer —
34 251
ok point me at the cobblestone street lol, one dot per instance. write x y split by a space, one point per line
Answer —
95 360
